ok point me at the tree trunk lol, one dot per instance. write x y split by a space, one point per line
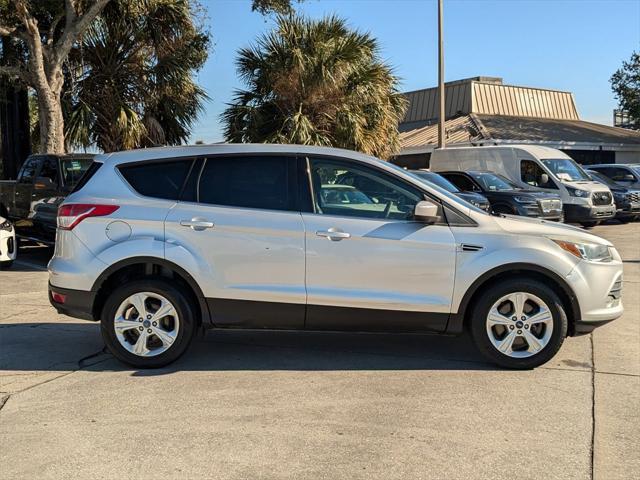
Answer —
51 122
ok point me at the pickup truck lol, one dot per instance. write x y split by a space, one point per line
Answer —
31 202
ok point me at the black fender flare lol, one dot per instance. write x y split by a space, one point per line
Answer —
206 316
456 320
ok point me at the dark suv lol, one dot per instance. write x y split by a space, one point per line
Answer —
627 175
506 197
627 199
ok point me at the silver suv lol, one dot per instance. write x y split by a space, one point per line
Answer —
156 243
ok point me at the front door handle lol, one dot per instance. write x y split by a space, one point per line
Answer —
197 223
333 234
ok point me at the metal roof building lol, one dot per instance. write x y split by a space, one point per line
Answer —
484 111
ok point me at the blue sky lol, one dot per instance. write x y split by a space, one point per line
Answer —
572 45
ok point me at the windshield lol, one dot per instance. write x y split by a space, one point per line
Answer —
73 169
636 169
565 169
438 180
598 177
493 182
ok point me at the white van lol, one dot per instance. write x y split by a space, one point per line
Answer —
537 168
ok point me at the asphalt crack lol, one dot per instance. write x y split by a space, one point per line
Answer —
81 364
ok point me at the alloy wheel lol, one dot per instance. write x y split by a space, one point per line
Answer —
146 324
519 325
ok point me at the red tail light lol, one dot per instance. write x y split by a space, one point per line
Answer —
72 214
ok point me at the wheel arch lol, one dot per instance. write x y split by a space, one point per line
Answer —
458 321
145 267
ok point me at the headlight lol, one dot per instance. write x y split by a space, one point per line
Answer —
525 199
586 251
474 203
576 192
6 225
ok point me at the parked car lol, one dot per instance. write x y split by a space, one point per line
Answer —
626 175
8 246
165 240
627 200
539 169
474 198
505 197
31 202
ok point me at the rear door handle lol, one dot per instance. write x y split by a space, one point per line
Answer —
333 234
197 223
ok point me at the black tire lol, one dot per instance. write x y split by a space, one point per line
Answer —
590 224
493 294
184 308
6 265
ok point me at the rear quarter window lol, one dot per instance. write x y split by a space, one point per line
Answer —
158 180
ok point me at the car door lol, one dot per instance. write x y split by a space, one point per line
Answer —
46 198
239 217
369 265
22 197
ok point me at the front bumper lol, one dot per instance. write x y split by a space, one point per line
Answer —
588 213
598 290
8 245
77 303
628 210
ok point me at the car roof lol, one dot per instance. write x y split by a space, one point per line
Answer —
187 151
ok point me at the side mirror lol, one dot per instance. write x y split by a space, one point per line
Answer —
544 179
628 178
426 211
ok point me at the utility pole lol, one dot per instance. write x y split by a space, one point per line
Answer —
441 117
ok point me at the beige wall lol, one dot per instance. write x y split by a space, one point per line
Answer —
628 157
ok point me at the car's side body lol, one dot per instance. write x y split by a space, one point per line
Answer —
292 267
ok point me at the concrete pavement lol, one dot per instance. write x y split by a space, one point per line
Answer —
269 405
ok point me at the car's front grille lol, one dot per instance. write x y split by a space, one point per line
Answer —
634 197
551 205
601 198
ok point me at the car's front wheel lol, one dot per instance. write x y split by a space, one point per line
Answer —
590 224
519 324
148 323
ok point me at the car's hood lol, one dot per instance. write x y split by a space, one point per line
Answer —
589 186
542 228
473 196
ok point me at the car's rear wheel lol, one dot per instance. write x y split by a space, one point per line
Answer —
148 323
519 324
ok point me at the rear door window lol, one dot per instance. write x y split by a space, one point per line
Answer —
49 171
28 171
265 182
158 179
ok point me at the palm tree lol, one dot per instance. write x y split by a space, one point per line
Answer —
316 83
130 84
